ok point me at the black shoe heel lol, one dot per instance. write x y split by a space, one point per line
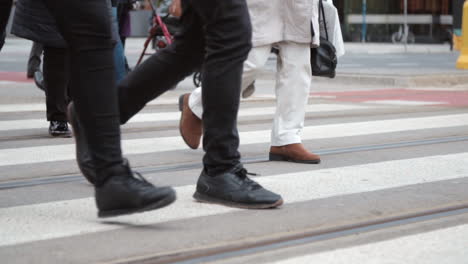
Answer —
277 157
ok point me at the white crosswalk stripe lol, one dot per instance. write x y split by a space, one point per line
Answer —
76 217
415 249
30 155
153 117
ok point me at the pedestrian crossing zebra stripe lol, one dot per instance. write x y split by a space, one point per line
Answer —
29 223
405 102
30 155
12 108
407 249
166 100
174 116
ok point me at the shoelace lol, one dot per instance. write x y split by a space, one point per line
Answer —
244 172
243 175
140 177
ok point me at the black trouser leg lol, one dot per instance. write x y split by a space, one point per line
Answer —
163 70
56 79
5 9
85 25
2 39
217 33
228 42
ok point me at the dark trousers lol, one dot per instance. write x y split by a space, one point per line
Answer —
216 34
85 26
5 7
56 69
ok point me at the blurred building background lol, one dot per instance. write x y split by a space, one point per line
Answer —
431 21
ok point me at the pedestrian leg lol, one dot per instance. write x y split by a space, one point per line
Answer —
85 26
56 80
293 81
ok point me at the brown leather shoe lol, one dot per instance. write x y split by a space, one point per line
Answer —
190 125
293 153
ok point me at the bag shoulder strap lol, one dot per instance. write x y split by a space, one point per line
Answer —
322 13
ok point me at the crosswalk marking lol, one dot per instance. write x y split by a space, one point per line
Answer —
416 249
11 108
405 102
76 217
166 116
30 155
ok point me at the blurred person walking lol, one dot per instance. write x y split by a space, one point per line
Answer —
31 21
286 26
41 28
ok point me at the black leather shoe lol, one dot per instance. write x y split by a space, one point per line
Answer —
39 80
122 194
59 129
83 157
235 189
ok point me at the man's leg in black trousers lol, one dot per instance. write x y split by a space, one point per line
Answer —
219 29
85 25
56 81
86 29
163 70
5 7
222 46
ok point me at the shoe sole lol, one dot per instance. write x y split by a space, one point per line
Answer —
277 157
62 135
181 109
208 199
156 205
248 92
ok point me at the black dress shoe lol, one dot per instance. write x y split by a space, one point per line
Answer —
39 80
235 189
122 194
83 156
59 129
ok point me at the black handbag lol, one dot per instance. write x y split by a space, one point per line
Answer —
323 58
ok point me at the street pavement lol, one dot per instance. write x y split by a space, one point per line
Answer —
391 187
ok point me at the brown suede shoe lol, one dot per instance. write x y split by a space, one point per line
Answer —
190 125
293 153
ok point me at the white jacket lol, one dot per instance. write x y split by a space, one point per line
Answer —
283 20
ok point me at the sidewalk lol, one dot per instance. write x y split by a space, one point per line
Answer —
389 48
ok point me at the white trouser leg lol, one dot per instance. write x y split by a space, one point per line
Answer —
195 103
293 81
257 58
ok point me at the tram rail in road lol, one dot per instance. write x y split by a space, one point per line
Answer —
156 169
276 242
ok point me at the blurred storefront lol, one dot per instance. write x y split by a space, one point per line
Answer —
430 21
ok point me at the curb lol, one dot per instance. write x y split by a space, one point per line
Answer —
402 81
417 80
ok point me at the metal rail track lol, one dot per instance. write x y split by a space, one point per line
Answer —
240 249
188 166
